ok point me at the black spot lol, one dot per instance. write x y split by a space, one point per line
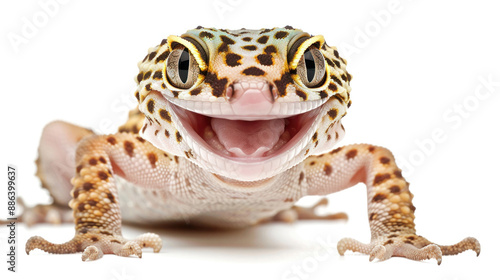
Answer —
301 94
233 59
379 197
111 197
334 78
333 63
328 169
88 186
79 168
152 159
158 75
282 83
205 34
103 175
339 98
111 140
332 87
178 137
263 39
384 160
351 154
218 85
195 91
151 106
140 76
280 34
380 178
152 55
147 75
398 174
265 59
395 189
332 113
288 27
253 71
270 49
225 42
189 154
247 39
336 53
265 31
81 207
162 56
165 115
129 148
249 47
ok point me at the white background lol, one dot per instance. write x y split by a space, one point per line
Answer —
411 70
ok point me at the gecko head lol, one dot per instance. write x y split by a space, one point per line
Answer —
243 104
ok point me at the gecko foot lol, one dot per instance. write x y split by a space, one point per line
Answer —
95 244
409 246
307 213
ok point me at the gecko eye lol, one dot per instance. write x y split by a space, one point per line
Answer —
182 68
311 67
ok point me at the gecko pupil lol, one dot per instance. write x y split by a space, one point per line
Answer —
184 66
310 65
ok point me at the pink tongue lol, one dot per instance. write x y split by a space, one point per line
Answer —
248 138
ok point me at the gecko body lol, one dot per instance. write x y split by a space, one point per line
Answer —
232 128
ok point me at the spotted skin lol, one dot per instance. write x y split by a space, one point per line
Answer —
390 207
149 172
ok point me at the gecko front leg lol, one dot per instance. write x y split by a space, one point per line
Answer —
95 204
390 208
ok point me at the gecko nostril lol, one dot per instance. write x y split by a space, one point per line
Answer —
274 92
229 92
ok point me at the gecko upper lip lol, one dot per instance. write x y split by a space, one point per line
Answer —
223 108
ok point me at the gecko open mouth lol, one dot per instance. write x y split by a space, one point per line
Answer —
246 140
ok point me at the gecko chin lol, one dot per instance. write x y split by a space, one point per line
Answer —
246 147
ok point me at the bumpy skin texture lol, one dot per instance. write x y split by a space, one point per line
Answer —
157 170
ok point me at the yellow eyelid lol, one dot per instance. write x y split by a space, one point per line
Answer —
303 47
194 51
